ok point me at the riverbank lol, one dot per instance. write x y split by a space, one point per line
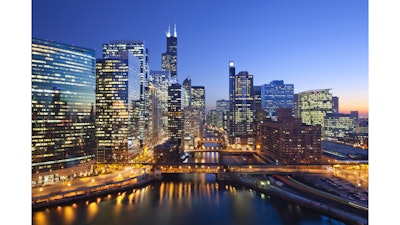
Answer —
275 191
63 198
80 194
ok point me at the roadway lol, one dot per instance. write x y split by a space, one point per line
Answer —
356 207
89 181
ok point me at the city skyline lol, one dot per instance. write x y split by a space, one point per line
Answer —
311 44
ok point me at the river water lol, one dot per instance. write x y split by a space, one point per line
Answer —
186 199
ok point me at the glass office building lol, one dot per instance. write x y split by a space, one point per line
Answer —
117 94
241 108
276 95
120 48
176 96
314 105
63 97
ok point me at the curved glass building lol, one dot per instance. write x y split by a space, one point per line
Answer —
63 110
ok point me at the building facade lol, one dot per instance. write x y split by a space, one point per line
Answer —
314 105
223 110
161 80
335 104
276 95
339 127
63 98
120 48
241 109
117 97
176 112
289 141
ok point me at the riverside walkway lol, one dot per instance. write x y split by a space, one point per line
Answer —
351 214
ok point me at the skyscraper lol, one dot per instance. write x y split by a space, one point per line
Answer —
241 100
276 95
117 92
169 58
63 97
118 48
198 103
161 80
223 111
187 87
176 112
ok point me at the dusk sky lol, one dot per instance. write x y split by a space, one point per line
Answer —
313 44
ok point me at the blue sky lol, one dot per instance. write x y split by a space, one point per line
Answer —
313 44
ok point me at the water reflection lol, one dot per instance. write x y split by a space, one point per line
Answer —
182 199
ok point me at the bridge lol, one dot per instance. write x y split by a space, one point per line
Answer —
212 140
217 168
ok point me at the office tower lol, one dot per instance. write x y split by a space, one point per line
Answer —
362 133
120 48
276 95
222 105
257 97
155 129
63 97
354 114
335 104
175 112
339 127
241 108
169 59
117 96
296 106
187 87
198 101
214 118
289 141
192 127
314 105
223 108
161 80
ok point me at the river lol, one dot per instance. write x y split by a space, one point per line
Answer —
192 199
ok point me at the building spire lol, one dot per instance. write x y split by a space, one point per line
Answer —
169 31
175 34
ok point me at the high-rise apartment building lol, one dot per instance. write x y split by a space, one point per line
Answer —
276 95
117 94
241 108
120 48
314 105
63 97
289 141
169 58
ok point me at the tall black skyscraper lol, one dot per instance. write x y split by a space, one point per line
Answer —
169 58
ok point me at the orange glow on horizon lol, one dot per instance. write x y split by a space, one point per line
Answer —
360 106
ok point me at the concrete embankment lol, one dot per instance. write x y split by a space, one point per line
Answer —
80 194
277 192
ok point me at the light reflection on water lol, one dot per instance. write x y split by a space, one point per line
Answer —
183 199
